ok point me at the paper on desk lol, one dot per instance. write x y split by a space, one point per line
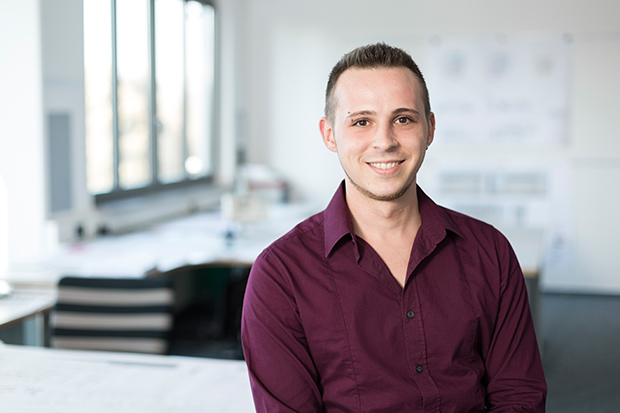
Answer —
37 380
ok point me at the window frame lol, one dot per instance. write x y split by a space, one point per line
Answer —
155 186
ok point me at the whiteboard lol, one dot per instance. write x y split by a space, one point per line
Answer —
499 88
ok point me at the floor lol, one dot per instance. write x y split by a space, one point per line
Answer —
581 352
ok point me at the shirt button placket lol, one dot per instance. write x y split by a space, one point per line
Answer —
411 315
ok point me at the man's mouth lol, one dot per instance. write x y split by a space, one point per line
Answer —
384 165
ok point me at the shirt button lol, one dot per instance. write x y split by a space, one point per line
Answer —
419 368
410 314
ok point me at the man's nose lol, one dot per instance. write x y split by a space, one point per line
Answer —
384 138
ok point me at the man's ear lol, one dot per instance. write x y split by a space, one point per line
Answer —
328 134
431 129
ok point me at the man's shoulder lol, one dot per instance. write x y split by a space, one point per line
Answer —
309 233
482 240
467 221
473 229
442 218
299 251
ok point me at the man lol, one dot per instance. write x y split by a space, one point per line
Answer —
386 302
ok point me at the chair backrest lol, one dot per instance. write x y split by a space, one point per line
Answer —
113 314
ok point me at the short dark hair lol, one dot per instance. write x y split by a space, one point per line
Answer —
368 57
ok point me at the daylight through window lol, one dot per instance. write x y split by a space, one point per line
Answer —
149 87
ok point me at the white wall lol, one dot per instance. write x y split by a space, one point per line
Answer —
63 79
62 60
21 130
4 230
292 46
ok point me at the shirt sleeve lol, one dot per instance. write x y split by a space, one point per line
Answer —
282 373
514 378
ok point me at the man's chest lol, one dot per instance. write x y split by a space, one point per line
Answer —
365 331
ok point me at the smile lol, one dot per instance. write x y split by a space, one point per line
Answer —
383 165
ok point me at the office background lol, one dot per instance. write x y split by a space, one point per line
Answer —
274 57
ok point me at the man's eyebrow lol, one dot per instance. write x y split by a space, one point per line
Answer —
406 110
361 113
373 113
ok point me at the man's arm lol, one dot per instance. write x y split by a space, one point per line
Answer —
282 373
514 375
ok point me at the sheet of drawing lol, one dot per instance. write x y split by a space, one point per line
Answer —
35 380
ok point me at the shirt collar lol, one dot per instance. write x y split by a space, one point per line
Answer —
435 219
337 222
337 219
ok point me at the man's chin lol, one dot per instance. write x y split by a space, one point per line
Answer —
385 197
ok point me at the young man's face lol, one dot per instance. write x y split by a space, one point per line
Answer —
380 130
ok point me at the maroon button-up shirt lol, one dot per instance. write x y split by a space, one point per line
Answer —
327 328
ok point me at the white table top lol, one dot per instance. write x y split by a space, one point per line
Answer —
46 380
197 239
24 303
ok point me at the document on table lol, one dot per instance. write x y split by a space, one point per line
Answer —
47 380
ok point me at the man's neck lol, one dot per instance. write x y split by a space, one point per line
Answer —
389 227
373 219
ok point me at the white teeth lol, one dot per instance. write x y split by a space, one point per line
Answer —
382 165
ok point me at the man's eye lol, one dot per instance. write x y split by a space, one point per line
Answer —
361 122
403 119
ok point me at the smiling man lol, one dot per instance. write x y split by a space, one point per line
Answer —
385 301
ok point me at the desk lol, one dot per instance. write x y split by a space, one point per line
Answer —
201 239
196 240
46 380
30 307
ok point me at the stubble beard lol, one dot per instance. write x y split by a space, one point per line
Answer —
385 198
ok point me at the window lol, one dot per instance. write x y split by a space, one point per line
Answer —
149 88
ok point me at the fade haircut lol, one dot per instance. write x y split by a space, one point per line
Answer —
370 57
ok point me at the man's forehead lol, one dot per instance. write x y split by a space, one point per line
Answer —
360 81
374 71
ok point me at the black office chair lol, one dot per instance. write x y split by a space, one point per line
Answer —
113 314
